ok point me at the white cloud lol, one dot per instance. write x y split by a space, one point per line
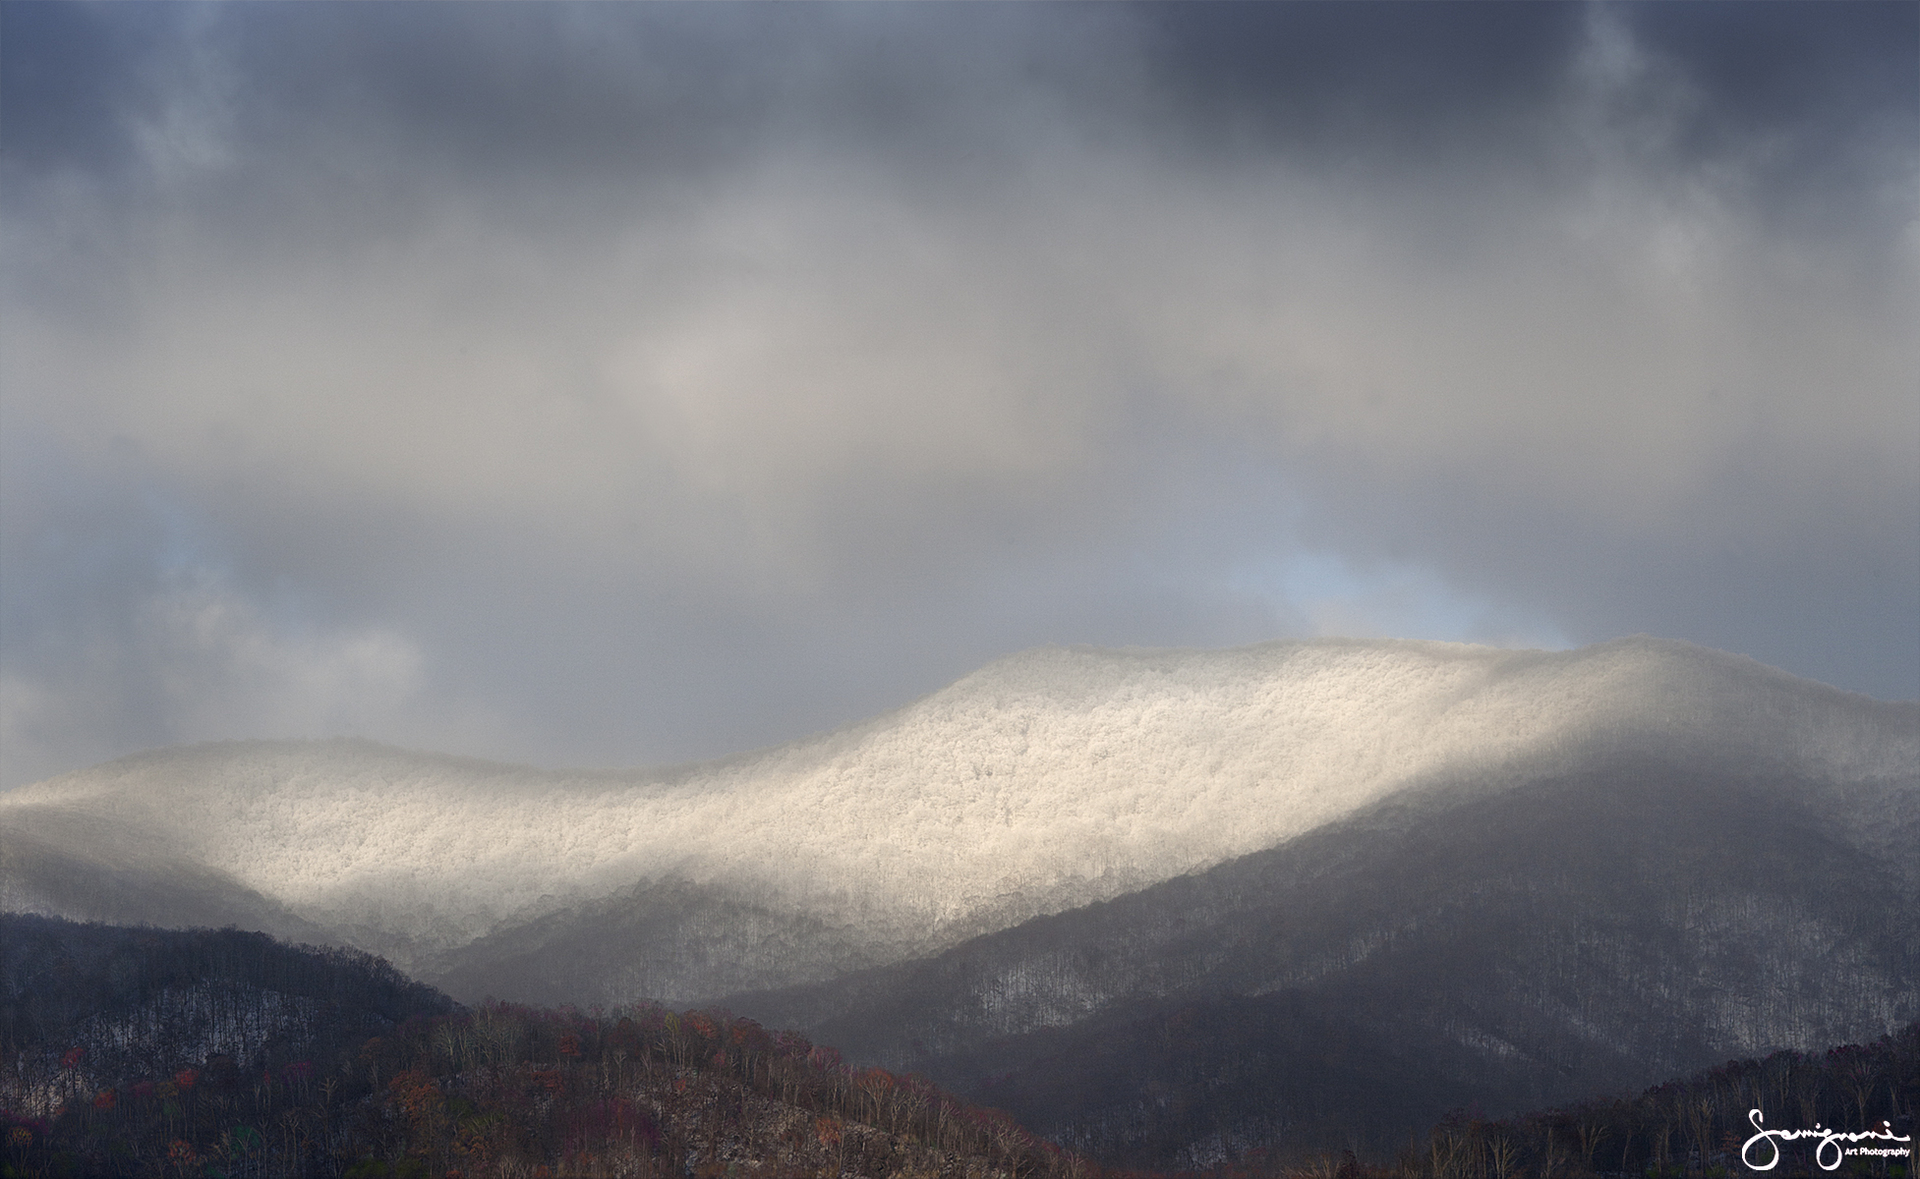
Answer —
203 662
613 422
733 377
226 666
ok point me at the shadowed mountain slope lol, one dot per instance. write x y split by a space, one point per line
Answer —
1540 939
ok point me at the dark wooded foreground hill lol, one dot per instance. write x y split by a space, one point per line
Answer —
1702 1125
134 1053
133 1001
137 1052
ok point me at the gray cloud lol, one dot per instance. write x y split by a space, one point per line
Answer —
613 384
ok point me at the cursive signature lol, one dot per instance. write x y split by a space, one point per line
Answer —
1830 1153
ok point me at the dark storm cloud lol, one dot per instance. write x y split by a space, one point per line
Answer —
1793 66
501 93
1810 105
1816 104
1372 77
71 75
662 88
610 383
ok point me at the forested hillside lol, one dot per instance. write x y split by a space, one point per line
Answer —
134 999
1866 1095
1589 932
132 1052
1862 1096
135 1052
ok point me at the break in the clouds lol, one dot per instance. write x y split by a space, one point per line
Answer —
618 384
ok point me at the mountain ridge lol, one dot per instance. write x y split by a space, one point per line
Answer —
1581 933
1045 781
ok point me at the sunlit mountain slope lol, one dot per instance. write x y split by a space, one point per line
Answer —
1045 781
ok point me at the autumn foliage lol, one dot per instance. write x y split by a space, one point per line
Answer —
435 1091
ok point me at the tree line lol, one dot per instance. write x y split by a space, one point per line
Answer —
408 1084
1864 1095
221 1054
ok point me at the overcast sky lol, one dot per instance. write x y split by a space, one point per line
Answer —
613 385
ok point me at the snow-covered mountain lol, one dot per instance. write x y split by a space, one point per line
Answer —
1588 932
1044 782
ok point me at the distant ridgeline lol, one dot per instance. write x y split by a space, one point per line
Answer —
138 1052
